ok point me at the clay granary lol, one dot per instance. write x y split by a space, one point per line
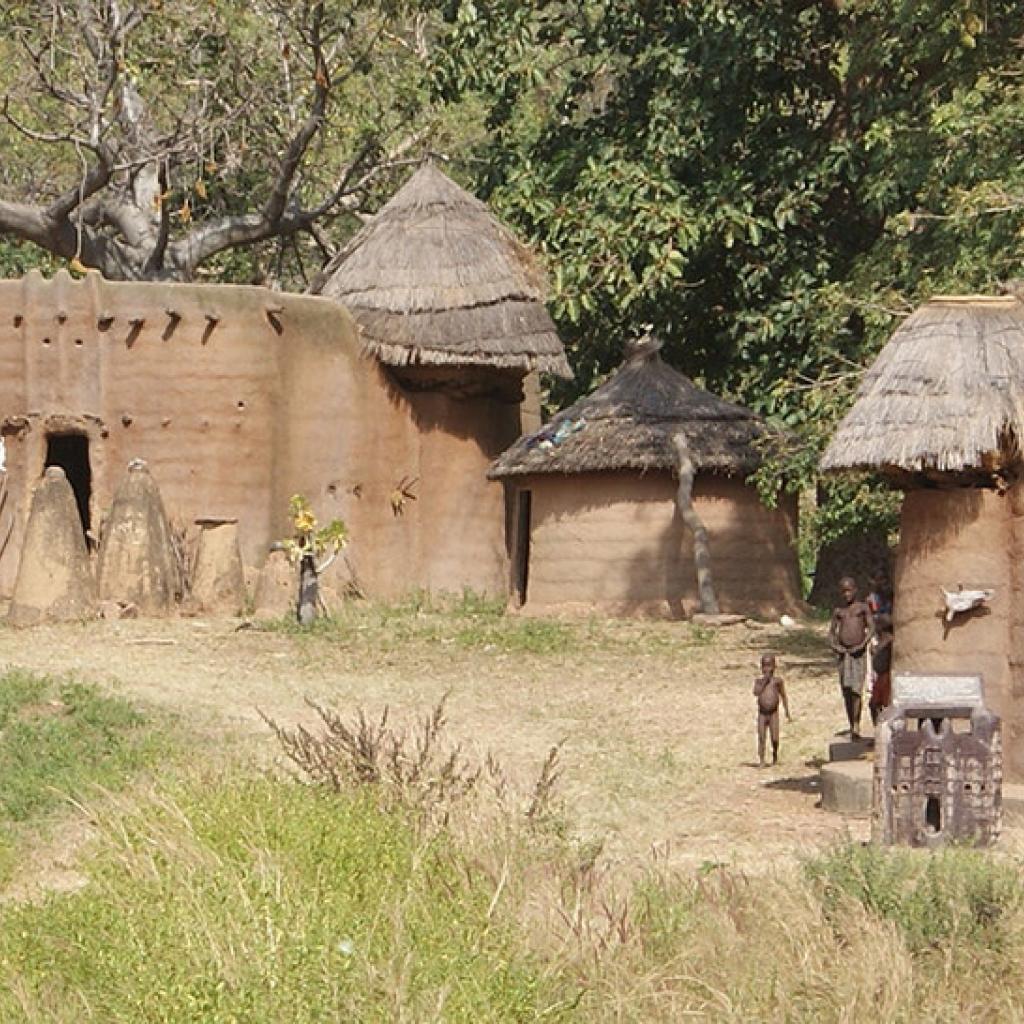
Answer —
595 521
238 397
940 413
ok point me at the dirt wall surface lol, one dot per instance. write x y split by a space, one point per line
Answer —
404 469
614 542
237 398
963 536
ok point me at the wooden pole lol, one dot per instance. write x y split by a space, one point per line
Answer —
309 591
701 549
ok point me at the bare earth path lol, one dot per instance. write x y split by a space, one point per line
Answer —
657 719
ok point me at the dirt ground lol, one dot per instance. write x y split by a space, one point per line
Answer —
657 720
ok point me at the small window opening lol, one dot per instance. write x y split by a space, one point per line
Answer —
71 453
933 813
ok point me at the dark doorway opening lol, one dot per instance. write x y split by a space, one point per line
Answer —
71 453
521 551
933 813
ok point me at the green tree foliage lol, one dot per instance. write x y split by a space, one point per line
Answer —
771 185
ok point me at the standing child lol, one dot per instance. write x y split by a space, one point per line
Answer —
881 664
880 598
769 689
851 629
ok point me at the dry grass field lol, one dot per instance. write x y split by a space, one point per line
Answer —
152 872
656 719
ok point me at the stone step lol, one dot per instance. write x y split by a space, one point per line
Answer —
850 750
846 787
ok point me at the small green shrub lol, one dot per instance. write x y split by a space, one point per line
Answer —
701 636
518 636
939 899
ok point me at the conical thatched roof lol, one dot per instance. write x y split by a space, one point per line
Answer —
945 395
435 279
629 421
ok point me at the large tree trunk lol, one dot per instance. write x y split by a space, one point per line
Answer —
701 549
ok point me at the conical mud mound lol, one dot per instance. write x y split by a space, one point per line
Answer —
55 581
218 579
138 564
277 588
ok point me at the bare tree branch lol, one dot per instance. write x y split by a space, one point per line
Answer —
94 178
228 127
155 262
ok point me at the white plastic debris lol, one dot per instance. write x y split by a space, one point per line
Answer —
960 600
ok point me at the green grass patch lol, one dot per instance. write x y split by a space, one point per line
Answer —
472 622
271 901
237 899
59 739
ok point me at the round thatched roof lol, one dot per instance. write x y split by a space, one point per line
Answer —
629 421
945 395
435 279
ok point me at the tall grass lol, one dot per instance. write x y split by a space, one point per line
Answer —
807 946
255 900
239 899
229 898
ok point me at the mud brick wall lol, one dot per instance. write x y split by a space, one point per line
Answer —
970 536
238 397
614 541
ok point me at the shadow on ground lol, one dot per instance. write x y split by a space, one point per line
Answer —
796 784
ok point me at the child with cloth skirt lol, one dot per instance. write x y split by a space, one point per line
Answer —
850 631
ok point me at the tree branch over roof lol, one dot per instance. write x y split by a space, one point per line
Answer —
181 133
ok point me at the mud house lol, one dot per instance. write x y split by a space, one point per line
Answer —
239 397
595 521
940 413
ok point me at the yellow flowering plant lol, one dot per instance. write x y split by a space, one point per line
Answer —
310 538
312 548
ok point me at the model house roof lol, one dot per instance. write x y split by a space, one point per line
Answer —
436 279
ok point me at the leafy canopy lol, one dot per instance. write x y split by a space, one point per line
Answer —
771 185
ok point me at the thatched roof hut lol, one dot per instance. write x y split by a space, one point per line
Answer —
941 414
594 494
945 396
436 279
629 421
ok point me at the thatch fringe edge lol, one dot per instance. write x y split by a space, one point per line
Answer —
401 355
652 463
